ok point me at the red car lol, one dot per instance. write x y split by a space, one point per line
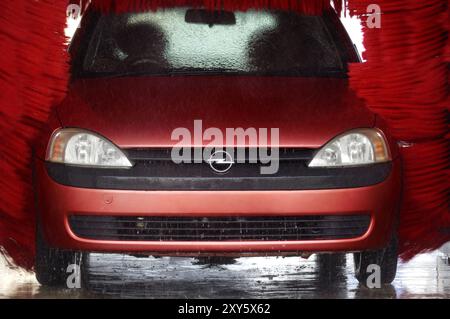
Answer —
106 178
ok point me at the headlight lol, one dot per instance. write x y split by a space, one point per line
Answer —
80 147
358 147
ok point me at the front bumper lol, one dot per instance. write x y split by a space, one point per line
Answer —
56 203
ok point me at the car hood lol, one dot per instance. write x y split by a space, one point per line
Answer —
144 111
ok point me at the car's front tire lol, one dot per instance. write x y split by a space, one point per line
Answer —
386 259
51 264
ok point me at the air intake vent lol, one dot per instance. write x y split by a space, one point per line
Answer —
219 229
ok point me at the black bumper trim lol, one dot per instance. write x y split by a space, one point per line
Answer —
145 177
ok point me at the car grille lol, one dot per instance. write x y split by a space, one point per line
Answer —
165 154
271 228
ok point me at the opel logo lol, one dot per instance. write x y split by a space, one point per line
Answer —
221 162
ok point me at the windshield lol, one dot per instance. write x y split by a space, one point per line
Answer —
195 41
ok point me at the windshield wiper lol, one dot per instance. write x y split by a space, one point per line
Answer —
174 72
194 71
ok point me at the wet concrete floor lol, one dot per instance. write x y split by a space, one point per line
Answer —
121 276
